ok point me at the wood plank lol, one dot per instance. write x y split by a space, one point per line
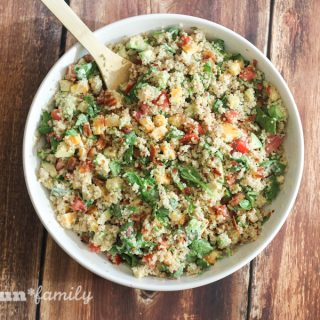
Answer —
226 299
26 55
292 260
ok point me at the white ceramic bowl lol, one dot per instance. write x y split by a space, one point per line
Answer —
98 264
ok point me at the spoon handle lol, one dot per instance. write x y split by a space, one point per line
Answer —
109 63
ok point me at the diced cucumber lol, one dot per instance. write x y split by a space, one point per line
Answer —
255 143
137 43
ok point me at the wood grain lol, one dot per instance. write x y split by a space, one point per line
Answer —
25 57
286 277
226 299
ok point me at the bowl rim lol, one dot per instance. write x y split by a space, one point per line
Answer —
243 261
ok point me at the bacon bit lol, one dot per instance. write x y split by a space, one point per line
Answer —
234 222
236 199
97 181
91 153
231 116
85 239
231 179
71 164
126 130
248 73
163 244
216 171
71 73
88 58
259 173
184 40
91 210
78 205
101 143
55 115
144 109
221 211
240 145
153 153
162 101
129 86
59 164
209 55
94 248
148 260
106 98
85 166
254 62
273 143
187 191
137 115
201 129
189 138
86 129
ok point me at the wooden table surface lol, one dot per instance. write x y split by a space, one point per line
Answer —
281 283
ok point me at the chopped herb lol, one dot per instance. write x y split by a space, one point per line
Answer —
272 190
218 45
245 204
201 247
44 127
191 174
168 48
174 133
174 31
147 187
93 108
162 215
71 132
84 71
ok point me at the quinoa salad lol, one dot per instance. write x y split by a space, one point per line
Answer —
170 172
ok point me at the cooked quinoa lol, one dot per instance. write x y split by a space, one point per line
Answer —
170 172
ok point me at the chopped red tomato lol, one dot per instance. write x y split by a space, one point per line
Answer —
273 143
231 116
190 138
185 40
240 145
248 73
94 248
221 210
55 115
162 101
115 259
254 62
78 205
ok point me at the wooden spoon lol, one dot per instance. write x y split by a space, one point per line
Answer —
114 69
